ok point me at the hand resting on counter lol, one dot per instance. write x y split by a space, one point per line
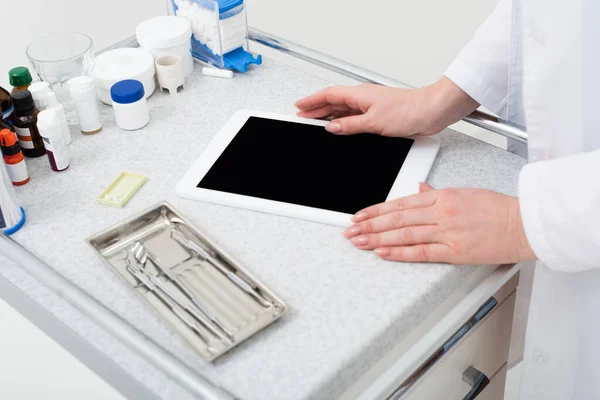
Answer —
458 226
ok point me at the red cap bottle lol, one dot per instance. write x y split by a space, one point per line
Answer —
15 162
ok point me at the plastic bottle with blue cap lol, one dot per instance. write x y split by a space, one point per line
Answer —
130 105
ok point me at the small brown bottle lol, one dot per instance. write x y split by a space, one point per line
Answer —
26 129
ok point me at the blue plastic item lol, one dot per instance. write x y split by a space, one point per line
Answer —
10 231
127 92
239 60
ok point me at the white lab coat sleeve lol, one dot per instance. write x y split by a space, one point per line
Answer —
560 207
481 68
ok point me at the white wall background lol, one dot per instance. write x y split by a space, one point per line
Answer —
106 22
410 40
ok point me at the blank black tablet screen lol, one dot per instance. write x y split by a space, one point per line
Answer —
305 165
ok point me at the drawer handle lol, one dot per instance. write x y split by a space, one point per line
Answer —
477 380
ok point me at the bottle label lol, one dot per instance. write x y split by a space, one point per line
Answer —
25 139
17 172
57 147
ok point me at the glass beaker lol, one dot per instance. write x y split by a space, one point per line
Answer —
59 57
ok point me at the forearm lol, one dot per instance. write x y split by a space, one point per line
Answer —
481 68
448 104
559 200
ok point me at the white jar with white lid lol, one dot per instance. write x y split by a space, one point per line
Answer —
168 35
121 64
130 105
83 93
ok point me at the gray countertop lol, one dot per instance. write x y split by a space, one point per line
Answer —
348 307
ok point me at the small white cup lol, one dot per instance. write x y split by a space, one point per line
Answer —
170 72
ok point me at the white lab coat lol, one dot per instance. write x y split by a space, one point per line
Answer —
537 63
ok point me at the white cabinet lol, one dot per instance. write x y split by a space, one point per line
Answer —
495 390
472 334
485 348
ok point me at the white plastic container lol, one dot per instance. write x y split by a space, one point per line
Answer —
50 129
169 70
121 64
39 92
55 106
130 105
168 35
83 92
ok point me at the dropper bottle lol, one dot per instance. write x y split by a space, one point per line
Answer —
30 140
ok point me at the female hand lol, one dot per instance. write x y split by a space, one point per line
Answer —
457 226
389 111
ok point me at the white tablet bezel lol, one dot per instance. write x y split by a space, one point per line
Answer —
416 168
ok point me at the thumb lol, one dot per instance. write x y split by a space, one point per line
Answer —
349 125
423 188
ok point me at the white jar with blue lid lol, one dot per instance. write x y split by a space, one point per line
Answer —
130 105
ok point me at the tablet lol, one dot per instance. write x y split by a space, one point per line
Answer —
293 167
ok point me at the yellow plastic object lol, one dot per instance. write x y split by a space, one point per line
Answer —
122 190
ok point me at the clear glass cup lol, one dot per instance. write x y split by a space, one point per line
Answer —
60 57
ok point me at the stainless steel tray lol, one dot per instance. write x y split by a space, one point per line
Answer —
217 282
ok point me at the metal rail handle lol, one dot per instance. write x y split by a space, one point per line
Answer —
477 380
478 118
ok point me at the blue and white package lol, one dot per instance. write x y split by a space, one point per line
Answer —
220 32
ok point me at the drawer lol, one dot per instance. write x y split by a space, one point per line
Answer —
484 348
496 387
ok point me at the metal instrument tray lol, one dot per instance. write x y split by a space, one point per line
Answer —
240 303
